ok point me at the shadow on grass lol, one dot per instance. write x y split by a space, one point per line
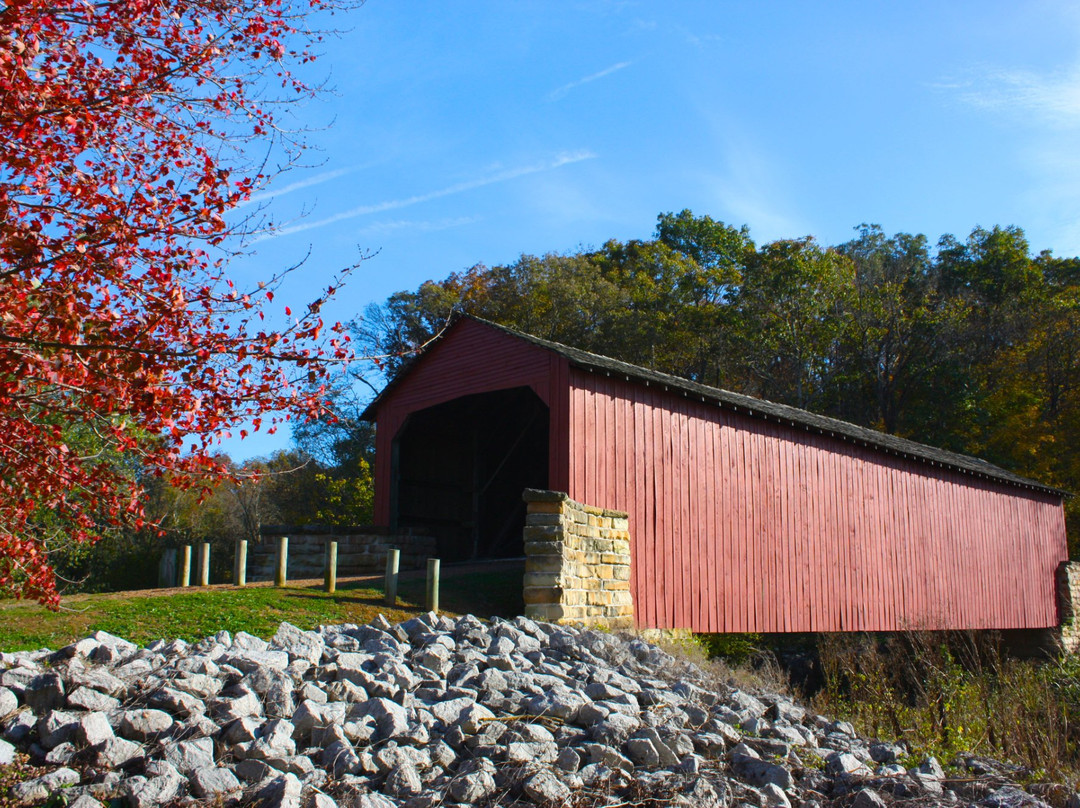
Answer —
486 593
484 590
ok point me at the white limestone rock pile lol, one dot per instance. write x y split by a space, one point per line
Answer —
435 712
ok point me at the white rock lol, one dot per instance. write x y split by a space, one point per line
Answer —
775 796
298 644
845 763
212 781
472 788
931 768
545 789
242 730
41 788
761 772
615 729
57 727
8 702
340 758
281 792
199 685
474 718
87 699
187 756
320 800
61 754
868 798
391 718
84 801
44 692
403 781
112 641
144 725
115 752
373 801
94 728
450 711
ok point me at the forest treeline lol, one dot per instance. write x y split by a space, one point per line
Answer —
971 345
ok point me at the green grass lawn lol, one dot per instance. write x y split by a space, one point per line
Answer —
192 614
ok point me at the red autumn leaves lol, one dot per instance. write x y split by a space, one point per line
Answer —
122 130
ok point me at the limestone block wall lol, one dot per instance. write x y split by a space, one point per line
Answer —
577 562
361 551
1069 606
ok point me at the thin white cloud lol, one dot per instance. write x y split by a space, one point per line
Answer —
318 179
747 204
560 92
1049 97
416 226
699 40
562 159
1046 107
749 186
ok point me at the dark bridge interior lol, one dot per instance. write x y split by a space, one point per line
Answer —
460 469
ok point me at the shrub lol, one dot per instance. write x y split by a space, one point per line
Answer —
950 692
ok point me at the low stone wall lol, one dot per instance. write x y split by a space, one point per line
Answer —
361 551
577 562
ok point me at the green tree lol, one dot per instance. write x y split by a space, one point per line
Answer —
995 293
346 500
719 252
891 341
791 313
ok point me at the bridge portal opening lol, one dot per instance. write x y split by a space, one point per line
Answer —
459 470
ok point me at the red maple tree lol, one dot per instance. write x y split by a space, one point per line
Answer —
123 131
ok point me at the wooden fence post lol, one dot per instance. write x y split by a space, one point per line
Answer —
433 565
167 569
331 568
185 567
280 576
240 577
393 560
204 564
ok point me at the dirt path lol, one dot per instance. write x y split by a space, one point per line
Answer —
448 571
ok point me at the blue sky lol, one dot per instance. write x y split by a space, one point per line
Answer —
471 132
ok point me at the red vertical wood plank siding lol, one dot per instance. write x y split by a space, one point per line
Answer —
742 525
726 516
812 511
711 535
742 558
560 435
383 471
662 418
749 555
878 513
847 493
894 538
802 514
685 529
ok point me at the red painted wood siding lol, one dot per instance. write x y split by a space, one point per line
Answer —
741 525
472 358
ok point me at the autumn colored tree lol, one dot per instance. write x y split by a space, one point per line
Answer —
124 130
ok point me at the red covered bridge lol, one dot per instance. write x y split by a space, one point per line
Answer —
744 515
